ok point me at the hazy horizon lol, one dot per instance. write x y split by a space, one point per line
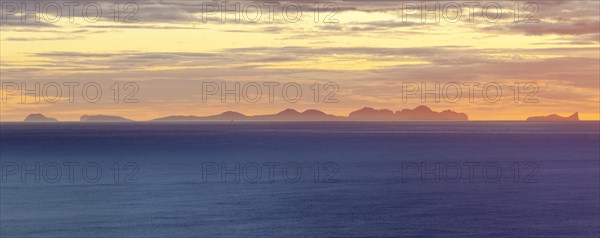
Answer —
346 117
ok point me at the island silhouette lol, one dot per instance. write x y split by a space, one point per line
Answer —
365 114
285 115
103 118
554 117
38 117
420 113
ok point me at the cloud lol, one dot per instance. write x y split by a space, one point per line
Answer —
11 25
58 38
573 27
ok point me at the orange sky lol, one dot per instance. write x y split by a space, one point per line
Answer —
380 54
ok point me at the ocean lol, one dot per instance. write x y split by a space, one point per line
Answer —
302 179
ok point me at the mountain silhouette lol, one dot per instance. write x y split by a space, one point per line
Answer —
423 113
293 115
420 113
554 117
178 119
371 114
229 115
285 115
226 116
39 118
103 118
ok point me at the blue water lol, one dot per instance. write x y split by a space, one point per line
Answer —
369 181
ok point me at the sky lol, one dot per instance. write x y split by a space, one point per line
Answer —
148 59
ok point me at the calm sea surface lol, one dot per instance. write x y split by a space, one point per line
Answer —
339 179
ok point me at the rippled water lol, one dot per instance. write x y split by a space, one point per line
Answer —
300 179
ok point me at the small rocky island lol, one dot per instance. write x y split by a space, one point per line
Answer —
39 118
554 117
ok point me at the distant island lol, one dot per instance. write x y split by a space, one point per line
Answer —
286 115
420 113
103 118
554 117
365 114
39 118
